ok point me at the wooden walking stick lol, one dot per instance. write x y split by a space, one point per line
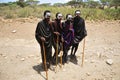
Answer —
57 53
61 53
45 66
83 52
84 44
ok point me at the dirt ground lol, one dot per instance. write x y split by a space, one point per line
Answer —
20 53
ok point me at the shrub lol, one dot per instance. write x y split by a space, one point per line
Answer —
25 12
37 11
9 15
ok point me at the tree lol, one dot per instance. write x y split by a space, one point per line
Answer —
93 4
115 3
21 0
32 2
72 3
45 4
58 4
75 3
105 2
21 3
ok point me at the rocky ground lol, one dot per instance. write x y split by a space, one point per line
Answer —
20 55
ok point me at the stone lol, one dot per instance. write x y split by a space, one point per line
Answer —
22 59
86 60
6 57
109 61
111 52
99 55
92 61
105 48
31 55
64 70
14 31
88 74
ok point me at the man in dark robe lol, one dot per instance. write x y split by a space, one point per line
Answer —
57 33
79 31
68 35
43 33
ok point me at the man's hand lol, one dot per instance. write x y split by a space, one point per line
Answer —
66 42
70 29
62 39
57 33
43 39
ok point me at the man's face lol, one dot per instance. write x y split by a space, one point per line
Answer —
69 18
77 14
59 16
47 16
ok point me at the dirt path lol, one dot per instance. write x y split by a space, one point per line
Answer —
20 58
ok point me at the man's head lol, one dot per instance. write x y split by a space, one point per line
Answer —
59 16
69 17
47 15
77 13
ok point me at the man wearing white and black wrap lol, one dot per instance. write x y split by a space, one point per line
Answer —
79 31
43 33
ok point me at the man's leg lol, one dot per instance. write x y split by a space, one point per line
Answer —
76 47
65 53
48 56
72 50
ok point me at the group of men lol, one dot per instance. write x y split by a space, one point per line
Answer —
60 35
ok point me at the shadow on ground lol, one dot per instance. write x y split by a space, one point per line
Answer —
39 68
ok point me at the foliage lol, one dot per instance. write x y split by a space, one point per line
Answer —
32 2
22 4
58 4
93 4
25 12
45 4
105 2
13 10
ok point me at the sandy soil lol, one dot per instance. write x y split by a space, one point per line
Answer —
20 54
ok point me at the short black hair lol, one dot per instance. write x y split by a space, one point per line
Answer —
46 12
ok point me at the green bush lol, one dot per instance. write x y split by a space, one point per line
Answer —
9 15
37 11
112 14
25 12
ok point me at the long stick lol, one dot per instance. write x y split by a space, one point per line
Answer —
84 43
61 55
45 67
57 52
83 52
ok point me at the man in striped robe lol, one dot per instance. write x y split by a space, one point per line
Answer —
43 33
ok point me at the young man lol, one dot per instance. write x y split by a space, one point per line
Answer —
43 34
57 33
79 31
68 35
